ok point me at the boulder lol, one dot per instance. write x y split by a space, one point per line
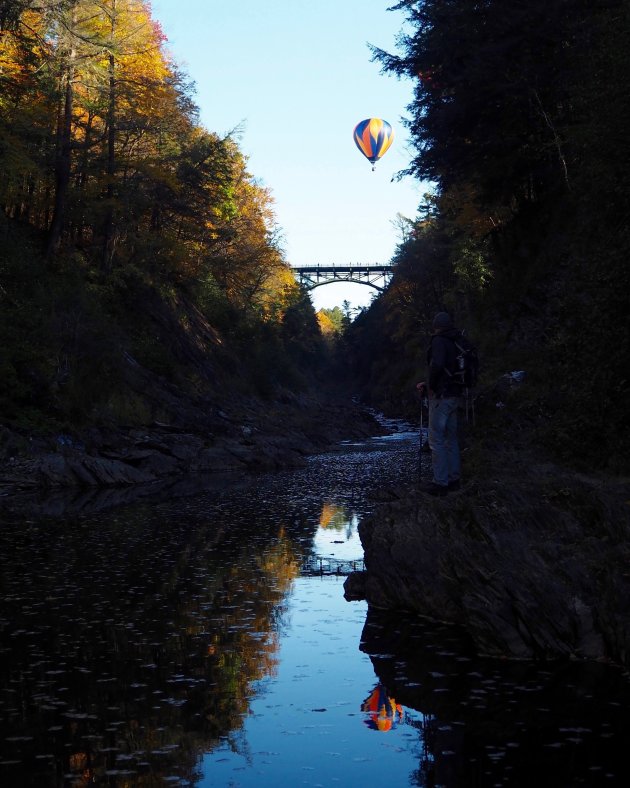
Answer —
85 470
530 569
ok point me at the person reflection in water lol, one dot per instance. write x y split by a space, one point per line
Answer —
384 712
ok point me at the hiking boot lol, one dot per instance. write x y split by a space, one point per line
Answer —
431 488
454 485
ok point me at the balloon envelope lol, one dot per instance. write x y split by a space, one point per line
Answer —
373 137
384 712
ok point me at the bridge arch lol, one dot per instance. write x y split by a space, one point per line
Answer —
312 276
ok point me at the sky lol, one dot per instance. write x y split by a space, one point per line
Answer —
295 77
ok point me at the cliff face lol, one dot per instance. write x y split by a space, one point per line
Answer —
532 565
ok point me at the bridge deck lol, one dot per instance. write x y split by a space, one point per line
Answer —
385 268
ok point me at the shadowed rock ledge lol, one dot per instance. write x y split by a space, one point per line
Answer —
532 567
245 434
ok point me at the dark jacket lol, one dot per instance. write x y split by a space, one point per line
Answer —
442 356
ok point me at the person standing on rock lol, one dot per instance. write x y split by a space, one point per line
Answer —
445 392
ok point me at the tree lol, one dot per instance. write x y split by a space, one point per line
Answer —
331 320
490 98
518 119
66 30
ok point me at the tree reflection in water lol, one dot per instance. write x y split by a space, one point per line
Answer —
131 642
140 648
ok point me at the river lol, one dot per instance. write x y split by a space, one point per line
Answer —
204 640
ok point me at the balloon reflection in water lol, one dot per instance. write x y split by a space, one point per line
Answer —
384 712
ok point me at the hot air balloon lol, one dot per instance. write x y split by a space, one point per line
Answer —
373 137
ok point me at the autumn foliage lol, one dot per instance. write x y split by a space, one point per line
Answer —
125 206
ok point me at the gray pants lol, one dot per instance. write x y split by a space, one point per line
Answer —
443 440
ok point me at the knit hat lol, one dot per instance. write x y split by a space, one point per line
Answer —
442 321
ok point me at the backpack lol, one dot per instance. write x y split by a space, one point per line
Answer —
466 369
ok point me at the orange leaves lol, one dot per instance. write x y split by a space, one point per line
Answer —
98 131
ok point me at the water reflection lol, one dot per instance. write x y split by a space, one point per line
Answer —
131 644
135 640
178 641
332 516
338 536
384 712
500 723
306 725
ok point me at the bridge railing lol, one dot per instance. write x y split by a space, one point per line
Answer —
318 565
311 267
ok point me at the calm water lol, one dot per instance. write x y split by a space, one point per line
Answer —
186 642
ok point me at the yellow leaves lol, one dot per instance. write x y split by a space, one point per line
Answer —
249 262
277 292
86 89
118 56
328 329
21 55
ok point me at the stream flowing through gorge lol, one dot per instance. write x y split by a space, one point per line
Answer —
204 640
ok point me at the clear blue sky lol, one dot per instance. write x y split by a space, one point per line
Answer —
296 74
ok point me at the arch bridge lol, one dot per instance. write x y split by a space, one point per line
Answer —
312 276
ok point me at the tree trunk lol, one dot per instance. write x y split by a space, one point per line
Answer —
63 160
109 239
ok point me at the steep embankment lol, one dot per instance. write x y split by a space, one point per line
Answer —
109 386
530 558
203 434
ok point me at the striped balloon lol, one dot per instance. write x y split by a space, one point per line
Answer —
373 137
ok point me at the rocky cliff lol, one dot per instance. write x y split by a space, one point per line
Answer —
533 563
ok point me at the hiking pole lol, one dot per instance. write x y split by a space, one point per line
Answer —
469 402
470 406
421 389
421 440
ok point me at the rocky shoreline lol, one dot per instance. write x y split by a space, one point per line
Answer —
532 563
203 441
530 559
